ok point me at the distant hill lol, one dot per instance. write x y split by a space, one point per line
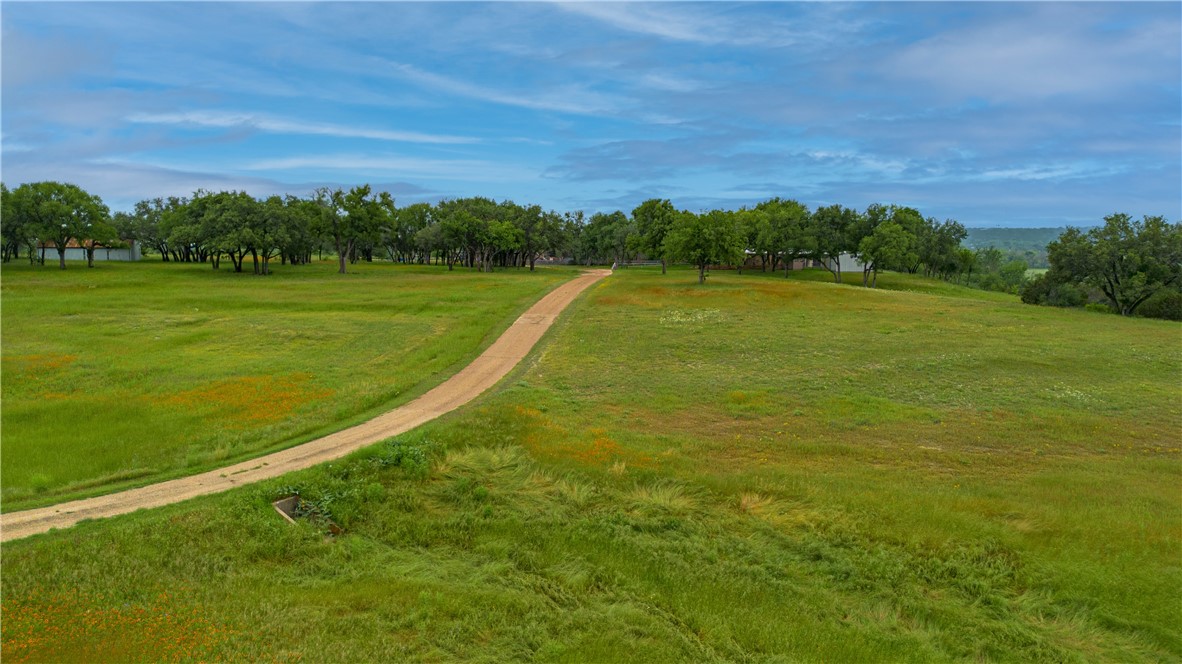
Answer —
1014 239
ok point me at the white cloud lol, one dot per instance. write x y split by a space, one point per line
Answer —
229 120
648 20
563 98
444 169
1054 51
713 24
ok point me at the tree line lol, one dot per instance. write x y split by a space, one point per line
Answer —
479 233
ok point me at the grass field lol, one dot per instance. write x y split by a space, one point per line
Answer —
128 373
758 469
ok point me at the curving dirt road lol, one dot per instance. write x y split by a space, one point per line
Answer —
470 382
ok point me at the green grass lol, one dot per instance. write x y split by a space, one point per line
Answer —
129 373
759 469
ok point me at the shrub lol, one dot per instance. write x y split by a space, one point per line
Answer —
1044 289
1166 303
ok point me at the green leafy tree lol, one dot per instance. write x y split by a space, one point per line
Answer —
789 229
889 245
429 242
57 212
1012 275
456 226
758 239
554 240
1126 260
351 218
939 246
833 229
101 232
653 219
186 231
146 224
18 231
271 232
227 226
408 222
708 239
605 237
622 230
302 235
989 259
966 261
574 228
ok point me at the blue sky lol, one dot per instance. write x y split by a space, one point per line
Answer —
994 114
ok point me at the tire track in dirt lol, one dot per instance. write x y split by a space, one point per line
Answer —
471 381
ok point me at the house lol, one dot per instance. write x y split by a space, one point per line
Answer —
847 262
76 252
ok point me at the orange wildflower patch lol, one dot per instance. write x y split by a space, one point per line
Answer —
253 399
65 628
37 363
604 451
532 413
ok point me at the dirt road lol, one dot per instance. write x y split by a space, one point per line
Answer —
470 382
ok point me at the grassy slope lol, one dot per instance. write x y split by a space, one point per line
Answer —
129 373
758 469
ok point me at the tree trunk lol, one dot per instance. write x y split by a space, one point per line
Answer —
90 256
701 273
61 257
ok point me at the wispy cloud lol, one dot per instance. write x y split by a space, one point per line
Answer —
448 169
1048 51
565 98
648 20
714 24
230 120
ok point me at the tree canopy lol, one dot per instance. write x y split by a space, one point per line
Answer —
1128 261
703 240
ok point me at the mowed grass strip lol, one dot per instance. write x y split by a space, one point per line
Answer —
128 373
755 470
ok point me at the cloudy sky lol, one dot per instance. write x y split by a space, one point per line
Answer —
995 114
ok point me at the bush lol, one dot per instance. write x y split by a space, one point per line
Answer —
990 281
1166 303
1012 275
1044 289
